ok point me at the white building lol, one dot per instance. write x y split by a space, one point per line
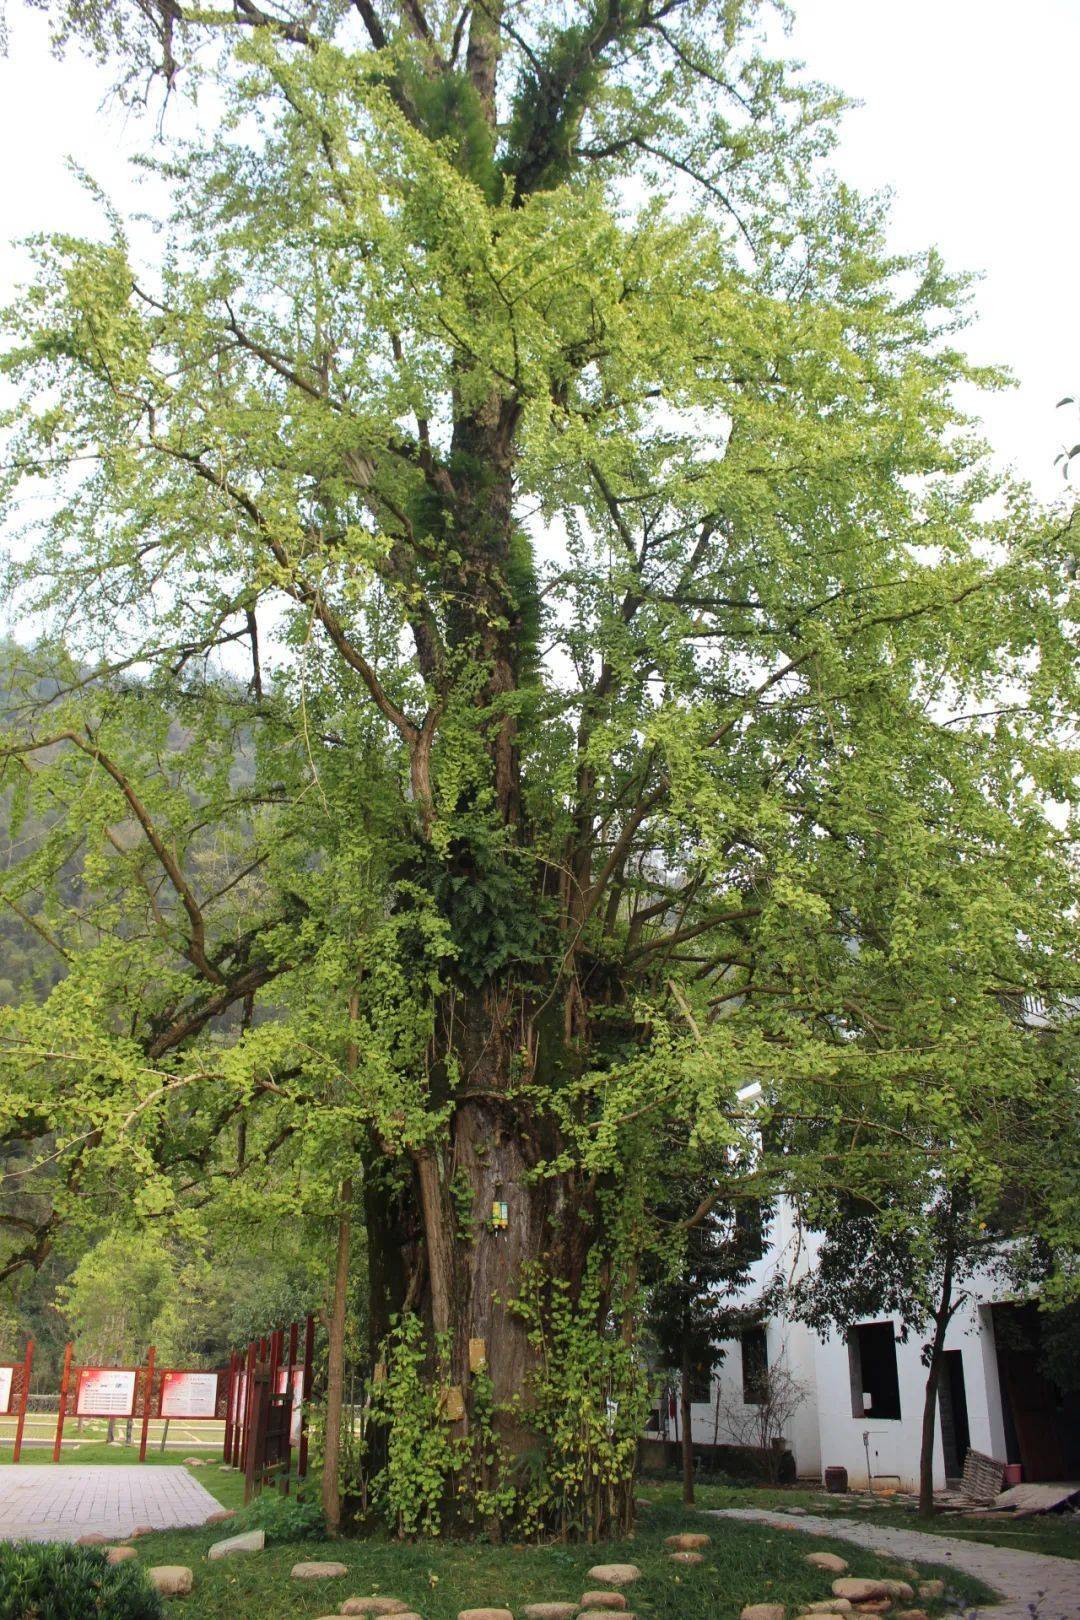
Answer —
864 1391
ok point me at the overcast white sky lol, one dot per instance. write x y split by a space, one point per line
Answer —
969 116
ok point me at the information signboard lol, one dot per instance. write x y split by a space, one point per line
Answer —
6 1376
189 1394
105 1392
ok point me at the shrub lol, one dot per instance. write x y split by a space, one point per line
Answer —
283 1518
47 1580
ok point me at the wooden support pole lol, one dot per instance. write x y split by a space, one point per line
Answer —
247 1452
147 1398
63 1404
290 1386
230 1410
309 1357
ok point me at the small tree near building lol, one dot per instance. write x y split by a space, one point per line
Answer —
690 1307
762 1417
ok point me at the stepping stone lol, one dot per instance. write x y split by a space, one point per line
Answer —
615 1574
763 1611
859 1589
120 1555
931 1589
194 1462
317 1570
830 1561
899 1589
171 1580
221 1518
603 1600
686 1542
252 1541
549 1611
605 1614
374 1605
686 1558
485 1614
828 1606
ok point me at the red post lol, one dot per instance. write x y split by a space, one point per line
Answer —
147 1399
309 1357
63 1405
27 1365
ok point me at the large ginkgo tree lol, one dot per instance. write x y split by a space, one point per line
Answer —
532 670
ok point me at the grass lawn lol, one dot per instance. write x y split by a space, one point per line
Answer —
745 1563
1057 1534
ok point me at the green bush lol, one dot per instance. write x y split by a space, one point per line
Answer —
47 1580
283 1518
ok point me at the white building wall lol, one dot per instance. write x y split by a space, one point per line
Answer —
825 1432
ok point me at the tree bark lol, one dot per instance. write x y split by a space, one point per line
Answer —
687 1429
335 1367
942 1318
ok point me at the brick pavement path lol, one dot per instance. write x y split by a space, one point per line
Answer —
1031 1584
63 1502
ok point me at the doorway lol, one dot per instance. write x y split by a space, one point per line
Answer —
953 1412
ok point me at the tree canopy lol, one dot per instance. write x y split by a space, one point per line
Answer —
537 651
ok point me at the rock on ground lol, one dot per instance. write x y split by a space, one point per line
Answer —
899 1589
830 1561
171 1580
603 1600
485 1614
549 1611
686 1558
859 1588
615 1574
374 1605
251 1541
686 1541
119 1555
833 1605
763 1611
94 1539
222 1517
317 1570
931 1589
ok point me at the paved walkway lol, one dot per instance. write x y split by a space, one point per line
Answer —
62 1502
1033 1586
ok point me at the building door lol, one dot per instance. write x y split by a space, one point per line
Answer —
1041 1421
952 1409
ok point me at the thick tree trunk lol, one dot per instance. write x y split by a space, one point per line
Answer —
686 1419
335 1368
942 1317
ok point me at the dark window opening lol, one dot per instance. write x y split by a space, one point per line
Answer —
875 1385
700 1385
755 1365
750 1224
